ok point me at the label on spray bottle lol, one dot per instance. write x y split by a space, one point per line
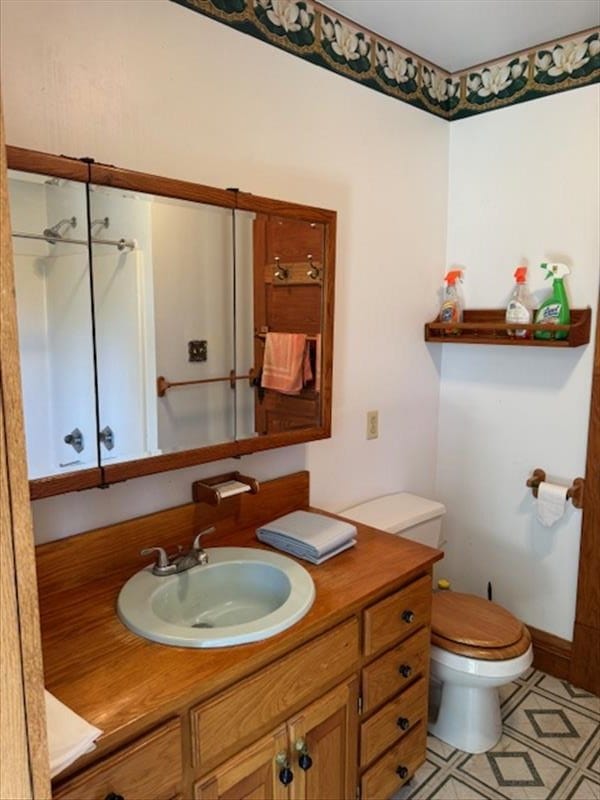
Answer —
549 314
517 312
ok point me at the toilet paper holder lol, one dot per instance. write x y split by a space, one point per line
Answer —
574 492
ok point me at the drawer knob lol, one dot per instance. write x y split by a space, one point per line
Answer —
403 723
402 772
114 796
405 670
408 616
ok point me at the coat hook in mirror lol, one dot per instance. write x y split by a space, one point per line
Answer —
281 273
313 272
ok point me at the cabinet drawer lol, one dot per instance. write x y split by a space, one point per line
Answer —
393 769
397 616
393 721
392 671
149 767
255 703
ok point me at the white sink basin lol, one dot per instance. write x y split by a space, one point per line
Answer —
242 595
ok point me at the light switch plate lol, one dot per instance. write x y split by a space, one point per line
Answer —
372 424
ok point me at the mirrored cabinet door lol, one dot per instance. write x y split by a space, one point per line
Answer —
52 278
164 313
164 323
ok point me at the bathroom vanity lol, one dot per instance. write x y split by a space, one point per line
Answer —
333 707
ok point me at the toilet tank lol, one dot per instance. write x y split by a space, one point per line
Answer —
403 514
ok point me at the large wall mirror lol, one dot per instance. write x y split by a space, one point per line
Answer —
163 323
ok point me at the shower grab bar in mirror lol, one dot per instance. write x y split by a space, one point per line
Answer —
163 385
120 244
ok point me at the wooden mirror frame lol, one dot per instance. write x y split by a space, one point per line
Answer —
87 171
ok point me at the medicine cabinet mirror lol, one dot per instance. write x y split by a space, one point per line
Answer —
145 307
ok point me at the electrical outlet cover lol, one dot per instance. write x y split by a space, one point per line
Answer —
197 350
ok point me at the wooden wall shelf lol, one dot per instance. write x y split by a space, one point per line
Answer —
488 326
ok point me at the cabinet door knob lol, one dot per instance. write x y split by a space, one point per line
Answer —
402 772
405 670
114 796
403 723
286 776
408 616
305 762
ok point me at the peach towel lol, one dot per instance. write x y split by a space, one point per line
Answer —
286 365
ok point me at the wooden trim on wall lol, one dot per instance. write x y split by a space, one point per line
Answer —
24 763
551 654
585 661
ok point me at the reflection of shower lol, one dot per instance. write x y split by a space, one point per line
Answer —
54 233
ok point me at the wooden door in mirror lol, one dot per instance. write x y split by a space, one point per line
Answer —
289 257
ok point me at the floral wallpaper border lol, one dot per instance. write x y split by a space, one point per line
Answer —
316 34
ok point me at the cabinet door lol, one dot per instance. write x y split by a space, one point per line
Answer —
252 774
323 745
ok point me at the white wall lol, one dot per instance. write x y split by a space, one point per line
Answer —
154 87
523 189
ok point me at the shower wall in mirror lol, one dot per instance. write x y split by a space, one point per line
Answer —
150 315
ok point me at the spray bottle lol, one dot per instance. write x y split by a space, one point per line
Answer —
520 305
452 305
555 309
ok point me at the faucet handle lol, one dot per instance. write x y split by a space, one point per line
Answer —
162 559
196 544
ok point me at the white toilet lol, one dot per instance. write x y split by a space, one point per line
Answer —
477 646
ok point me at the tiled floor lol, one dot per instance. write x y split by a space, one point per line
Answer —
549 749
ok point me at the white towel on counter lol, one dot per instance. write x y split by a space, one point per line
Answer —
313 537
69 735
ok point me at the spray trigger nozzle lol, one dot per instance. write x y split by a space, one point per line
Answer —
453 276
555 270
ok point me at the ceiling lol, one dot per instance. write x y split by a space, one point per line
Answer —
456 34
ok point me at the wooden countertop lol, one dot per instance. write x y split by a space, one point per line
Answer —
122 683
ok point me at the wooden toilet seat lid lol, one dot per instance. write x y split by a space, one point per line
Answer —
473 621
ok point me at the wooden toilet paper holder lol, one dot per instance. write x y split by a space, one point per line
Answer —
574 492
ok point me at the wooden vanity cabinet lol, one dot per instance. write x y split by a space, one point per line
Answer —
149 767
311 757
393 728
361 691
341 697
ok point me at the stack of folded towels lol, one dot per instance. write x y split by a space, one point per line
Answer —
313 537
69 736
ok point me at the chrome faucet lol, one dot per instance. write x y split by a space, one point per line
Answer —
178 562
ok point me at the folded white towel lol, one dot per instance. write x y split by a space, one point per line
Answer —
69 735
313 537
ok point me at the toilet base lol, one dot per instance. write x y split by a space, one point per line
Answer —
468 718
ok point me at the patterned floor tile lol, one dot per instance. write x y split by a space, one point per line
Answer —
450 788
444 751
565 691
508 692
584 789
550 750
559 727
516 771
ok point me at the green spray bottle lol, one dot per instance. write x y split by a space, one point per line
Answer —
555 309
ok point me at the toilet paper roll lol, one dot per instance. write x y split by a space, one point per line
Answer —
231 488
551 502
